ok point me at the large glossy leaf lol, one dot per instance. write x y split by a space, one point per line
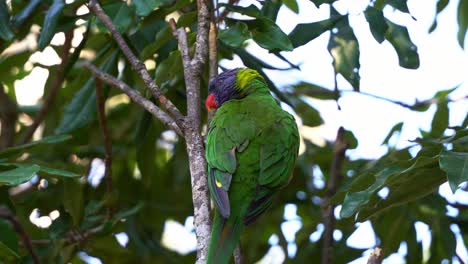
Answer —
235 35
19 175
5 29
455 164
462 17
377 23
82 109
407 52
344 48
50 23
268 35
304 33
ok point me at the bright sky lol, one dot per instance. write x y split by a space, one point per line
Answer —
443 66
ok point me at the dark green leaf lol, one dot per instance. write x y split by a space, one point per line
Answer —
163 36
73 199
132 211
407 52
51 171
82 109
291 4
169 72
268 35
19 18
235 35
120 14
462 17
309 115
7 253
441 119
320 2
395 129
27 147
377 23
145 7
5 29
344 48
350 139
315 91
441 5
187 19
455 164
251 10
303 33
50 23
145 141
19 175
8 237
399 4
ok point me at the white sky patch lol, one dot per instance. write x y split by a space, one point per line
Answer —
275 255
177 238
97 172
31 88
363 237
122 238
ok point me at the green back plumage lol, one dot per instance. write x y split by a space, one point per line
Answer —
251 149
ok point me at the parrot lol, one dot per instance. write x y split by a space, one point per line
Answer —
251 148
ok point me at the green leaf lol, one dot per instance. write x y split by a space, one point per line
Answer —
82 109
129 212
395 129
462 18
7 253
145 7
8 152
235 35
344 48
350 139
145 143
399 4
309 115
250 10
73 199
318 3
120 14
163 36
407 52
187 19
48 170
268 35
19 18
8 237
169 72
377 23
304 33
441 5
50 23
315 91
5 30
441 119
455 164
19 175
291 4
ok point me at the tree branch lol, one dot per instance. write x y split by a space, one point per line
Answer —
8 115
193 68
55 88
100 101
135 97
8 215
138 66
376 256
334 180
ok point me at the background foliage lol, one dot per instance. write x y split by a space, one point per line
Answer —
151 181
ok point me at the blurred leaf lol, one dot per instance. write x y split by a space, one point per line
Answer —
73 200
5 29
19 18
129 212
8 238
145 7
270 9
309 115
82 109
441 5
235 35
456 166
377 23
50 23
268 35
291 4
27 147
250 10
344 48
7 253
187 19
462 17
51 171
441 119
145 142
395 129
169 72
120 14
304 33
407 52
163 36
399 4
251 61
350 139
315 91
19 175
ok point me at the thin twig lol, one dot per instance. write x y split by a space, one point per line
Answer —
8 116
334 180
193 68
59 77
376 256
8 215
135 97
100 101
137 65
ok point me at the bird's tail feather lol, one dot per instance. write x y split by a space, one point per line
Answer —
225 235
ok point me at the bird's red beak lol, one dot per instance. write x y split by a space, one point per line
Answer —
211 102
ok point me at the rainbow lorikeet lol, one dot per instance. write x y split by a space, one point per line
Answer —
251 149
